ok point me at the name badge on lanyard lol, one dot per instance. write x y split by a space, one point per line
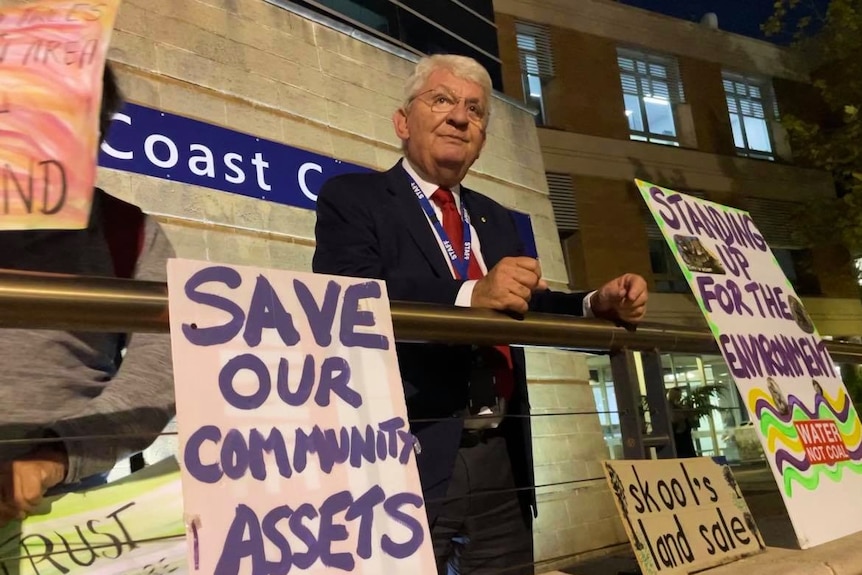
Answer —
461 265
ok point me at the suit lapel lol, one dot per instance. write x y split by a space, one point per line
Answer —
493 246
411 213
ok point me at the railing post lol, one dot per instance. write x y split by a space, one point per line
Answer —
628 395
660 416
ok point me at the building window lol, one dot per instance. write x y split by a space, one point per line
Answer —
602 385
724 432
797 265
651 88
751 105
537 64
420 26
776 221
562 192
715 434
667 275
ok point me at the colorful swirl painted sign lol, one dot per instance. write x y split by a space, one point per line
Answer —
789 435
806 423
52 55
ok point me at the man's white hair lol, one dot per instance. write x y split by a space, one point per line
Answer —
460 67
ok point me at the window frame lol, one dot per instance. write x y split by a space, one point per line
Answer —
641 73
737 103
536 63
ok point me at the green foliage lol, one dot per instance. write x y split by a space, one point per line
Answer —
698 400
831 45
852 377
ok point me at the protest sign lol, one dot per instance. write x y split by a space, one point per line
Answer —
52 56
131 527
296 451
682 516
792 390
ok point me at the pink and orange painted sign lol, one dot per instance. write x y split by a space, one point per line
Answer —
295 446
52 56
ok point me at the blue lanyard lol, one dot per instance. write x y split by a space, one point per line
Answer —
461 265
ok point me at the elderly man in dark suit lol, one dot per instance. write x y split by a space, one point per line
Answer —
433 240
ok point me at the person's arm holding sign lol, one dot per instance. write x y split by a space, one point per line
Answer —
24 481
138 402
80 393
133 409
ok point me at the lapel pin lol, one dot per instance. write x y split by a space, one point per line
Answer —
483 219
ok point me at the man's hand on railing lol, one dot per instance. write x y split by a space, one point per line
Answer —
509 285
622 299
24 481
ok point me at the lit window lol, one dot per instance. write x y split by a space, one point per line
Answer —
751 104
651 88
537 63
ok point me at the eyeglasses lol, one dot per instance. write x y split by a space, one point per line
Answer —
444 102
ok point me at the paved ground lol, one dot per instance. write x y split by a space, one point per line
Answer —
764 500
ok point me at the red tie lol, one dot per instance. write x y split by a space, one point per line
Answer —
498 358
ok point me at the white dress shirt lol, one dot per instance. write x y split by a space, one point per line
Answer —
493 414
465 294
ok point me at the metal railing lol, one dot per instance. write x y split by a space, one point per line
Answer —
53 301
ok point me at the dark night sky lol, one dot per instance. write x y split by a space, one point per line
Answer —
740 16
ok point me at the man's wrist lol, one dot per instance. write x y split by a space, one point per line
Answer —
599 307
465 294
588 305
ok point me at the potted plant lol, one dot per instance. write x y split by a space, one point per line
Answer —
698 401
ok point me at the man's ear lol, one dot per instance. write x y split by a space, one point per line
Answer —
399 120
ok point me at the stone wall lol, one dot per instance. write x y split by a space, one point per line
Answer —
256 68
577 515
260 69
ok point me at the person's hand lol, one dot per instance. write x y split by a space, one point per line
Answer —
24 481
509 285
621 299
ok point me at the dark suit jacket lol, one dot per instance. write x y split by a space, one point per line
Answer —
372 226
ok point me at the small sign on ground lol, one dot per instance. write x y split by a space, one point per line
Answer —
682 515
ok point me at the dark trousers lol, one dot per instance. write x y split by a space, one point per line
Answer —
481 529
684 443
